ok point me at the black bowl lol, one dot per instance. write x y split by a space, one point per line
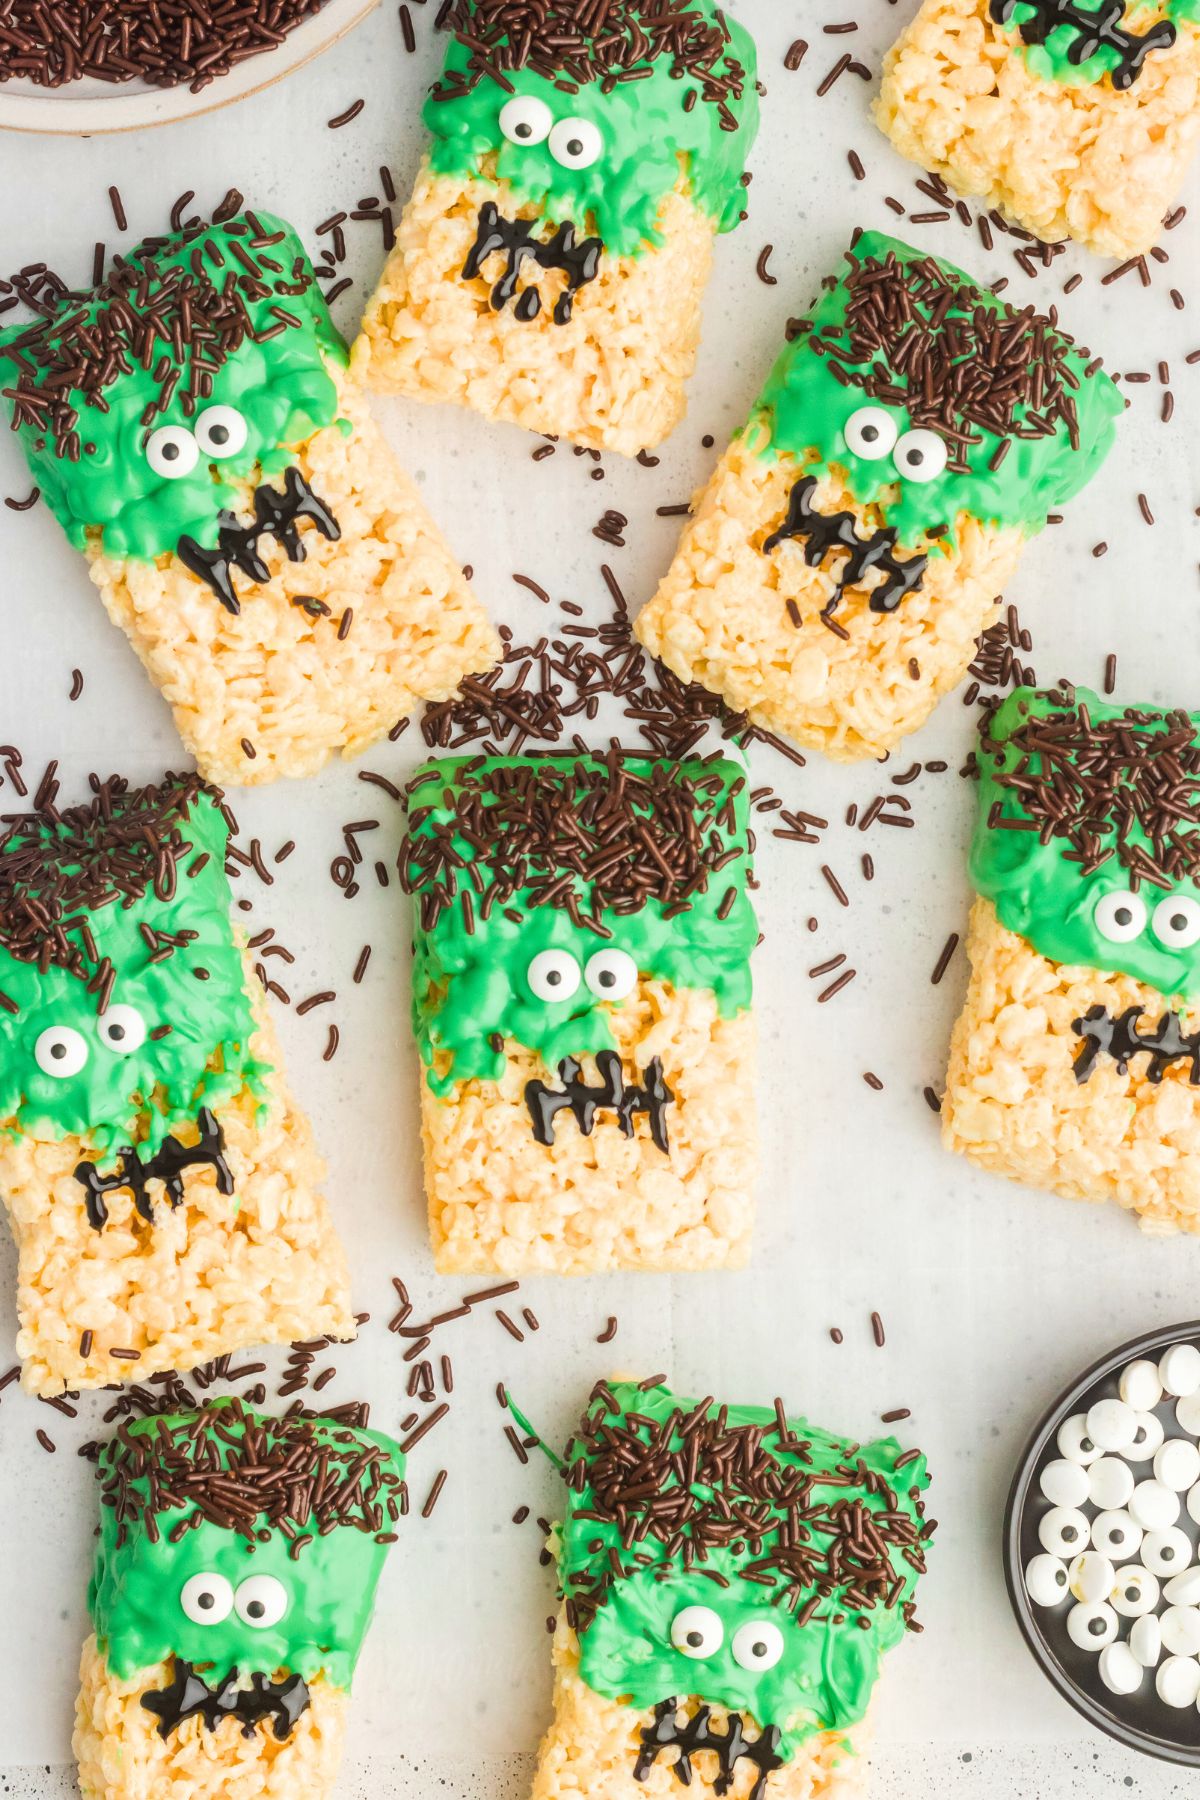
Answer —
1140 1721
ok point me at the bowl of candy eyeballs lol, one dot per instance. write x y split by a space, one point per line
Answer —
1102 1544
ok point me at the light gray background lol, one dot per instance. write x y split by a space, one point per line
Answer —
992 1296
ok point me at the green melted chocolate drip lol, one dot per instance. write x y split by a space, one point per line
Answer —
134 1595
1035 881
277 378
804 409
470 986
203 1060
649 134
1057 58
824 1678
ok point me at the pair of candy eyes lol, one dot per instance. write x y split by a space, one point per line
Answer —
573 143
555 975
173 450
62 1051
699 1632
1122 917
872 433
260 1601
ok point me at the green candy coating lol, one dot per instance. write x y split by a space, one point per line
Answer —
1049 900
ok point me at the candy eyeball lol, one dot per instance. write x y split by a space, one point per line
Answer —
526 120
1154 1506
206 1599
60 1051
1166 1552
1179 1370
697 1631
1177 1465
611 974
1177 922
1134 1592
261 1601
1146 1439
172 452
1184 1590
553 975
1116 1534
1181 1630
1177 1681
576 143
1092 1627
1063 1531
1111 1424
122 1029
920 456
1074 1442
1145 1640
1120 917
1120 1670
1193 1504
871 432
759 1645
1109 1483
1046 1581
1091 1577
1140 1386
1064 1483
1187 1414
221 431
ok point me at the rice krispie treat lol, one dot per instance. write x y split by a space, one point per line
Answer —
234 1582
550 264
162 1187
1076 118
193 426
848 551
1075 1065
581 1000
707 1636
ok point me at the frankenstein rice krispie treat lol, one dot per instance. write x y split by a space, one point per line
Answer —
732 1580
1077 118
581 1000
550 265
193 427
848 551
1075 1065
162 1187
234 1582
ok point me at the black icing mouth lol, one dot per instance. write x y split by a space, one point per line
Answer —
697 1733
614 1094
822 533
167 1166
1098 29
1117 1036
277 514
190 1697
579 259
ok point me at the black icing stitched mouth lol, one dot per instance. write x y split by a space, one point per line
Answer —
1097 30
698 1733
652 1098
821 533
277 513
1119 1038
167 1166
513 238
190 1697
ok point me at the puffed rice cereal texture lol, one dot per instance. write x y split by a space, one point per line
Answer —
214 1274
122 1756
1014 1107
612 378
275 689
500 1202
591 1749
1079 160
748 626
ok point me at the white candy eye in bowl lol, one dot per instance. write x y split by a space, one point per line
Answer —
1102 1544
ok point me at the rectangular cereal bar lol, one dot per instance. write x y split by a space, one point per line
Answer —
581 1000
1075 118
686 1654
193 426
162 1187
848 551
550 264
1075 1063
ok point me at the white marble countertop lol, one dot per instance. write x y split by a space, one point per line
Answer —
992 1296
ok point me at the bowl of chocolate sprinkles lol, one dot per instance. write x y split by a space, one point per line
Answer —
80 67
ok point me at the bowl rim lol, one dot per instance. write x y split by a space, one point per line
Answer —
1131 1736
